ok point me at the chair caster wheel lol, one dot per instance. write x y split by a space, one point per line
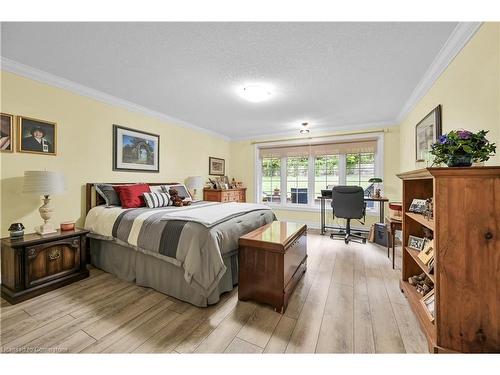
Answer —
346 242
364 240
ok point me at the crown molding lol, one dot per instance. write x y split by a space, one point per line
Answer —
18 68
320 131
462 33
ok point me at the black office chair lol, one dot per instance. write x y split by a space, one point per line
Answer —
348 203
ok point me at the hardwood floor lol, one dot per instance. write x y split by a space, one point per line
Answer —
347 302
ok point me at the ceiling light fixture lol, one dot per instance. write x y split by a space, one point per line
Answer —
256 93
304 129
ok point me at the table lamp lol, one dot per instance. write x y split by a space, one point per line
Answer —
194 183
44 183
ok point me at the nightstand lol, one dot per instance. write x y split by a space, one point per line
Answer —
35 264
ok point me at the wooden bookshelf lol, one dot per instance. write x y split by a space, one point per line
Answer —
466 256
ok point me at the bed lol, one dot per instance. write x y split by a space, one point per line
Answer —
189 253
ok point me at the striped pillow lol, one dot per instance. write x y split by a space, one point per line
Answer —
154 200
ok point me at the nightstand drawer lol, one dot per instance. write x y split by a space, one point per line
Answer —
51 260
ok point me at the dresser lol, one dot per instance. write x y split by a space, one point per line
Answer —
35 264
228 195
272 259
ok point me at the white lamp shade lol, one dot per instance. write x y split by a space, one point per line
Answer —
43 182
194 182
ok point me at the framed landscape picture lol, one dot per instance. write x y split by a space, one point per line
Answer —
6 132
427 132
216 166
135 150
36 136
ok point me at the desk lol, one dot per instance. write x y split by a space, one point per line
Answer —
392 226
381 202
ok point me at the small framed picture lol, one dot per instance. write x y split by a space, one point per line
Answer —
216 166
6 132
427 253
36 136
135 151
428 301
416 243
418 206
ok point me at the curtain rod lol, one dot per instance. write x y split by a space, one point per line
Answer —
385 130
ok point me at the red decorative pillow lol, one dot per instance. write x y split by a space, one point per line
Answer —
131 195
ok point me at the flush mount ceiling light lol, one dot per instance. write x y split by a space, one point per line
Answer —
255 93
304 129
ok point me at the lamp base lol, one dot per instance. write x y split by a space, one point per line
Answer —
46 228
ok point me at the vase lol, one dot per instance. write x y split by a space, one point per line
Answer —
459 161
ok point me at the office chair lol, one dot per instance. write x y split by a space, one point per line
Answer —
348 203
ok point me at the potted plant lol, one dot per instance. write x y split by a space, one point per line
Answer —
459 148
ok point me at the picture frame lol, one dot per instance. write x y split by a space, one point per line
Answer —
216 166
428 302
36 136
416 243
6 132
418 206
427 253
427 131
135 150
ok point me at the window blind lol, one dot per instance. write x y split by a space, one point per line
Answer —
331 148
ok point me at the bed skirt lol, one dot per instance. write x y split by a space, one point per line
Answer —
148 271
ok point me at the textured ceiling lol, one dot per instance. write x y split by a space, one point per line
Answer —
334 75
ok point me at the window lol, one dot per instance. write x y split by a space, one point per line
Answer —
271 180
294 175
297 179
326 173
360 168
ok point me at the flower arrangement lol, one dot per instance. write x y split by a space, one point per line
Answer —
459 148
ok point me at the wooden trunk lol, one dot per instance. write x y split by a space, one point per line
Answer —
466 230
272 260
228 195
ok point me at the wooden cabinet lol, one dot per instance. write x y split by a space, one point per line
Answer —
466 277
228 195
272 259
35 264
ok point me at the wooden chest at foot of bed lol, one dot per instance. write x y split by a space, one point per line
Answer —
272 259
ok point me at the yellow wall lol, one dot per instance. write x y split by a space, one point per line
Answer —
243 168
84 150
469 92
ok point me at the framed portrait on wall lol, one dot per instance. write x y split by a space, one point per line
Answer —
135 151
36 136
427 132
6 132
216 166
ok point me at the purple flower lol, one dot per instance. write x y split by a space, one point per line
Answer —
464 134
443 139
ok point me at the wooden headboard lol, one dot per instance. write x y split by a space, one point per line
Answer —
93 199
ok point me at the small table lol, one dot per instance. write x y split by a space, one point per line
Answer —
393 225
381 201
35 264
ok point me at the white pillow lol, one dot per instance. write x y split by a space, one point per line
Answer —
181 189
156 188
